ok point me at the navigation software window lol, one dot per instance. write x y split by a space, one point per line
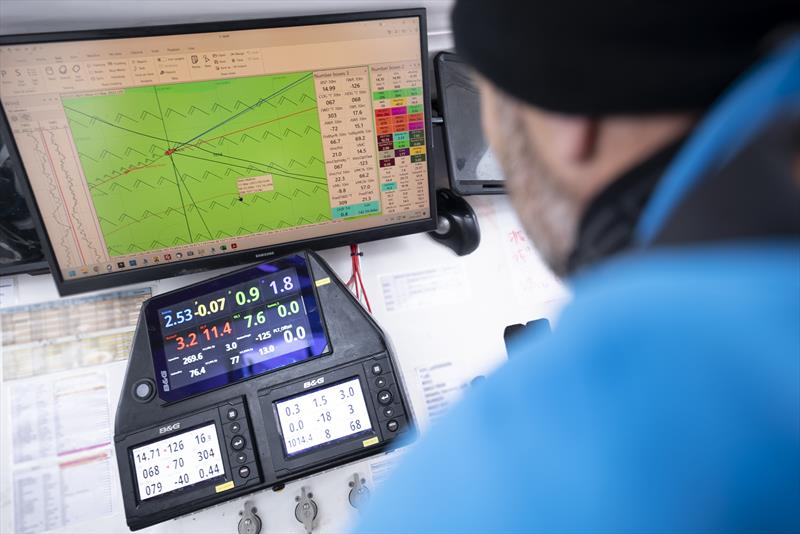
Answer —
150 150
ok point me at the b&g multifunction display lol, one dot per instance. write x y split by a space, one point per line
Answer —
248 381
178 461
267 321
323 416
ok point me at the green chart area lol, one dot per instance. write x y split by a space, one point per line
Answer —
186 163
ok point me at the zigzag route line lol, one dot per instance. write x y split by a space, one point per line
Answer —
248 108
251 168
280 170
166 210
135 167
247 128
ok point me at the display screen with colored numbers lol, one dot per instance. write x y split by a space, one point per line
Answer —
267 321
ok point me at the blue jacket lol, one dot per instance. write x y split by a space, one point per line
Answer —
668 397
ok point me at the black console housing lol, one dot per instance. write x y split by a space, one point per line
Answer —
244 413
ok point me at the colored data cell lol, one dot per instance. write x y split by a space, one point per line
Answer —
397 93
389 162
399 153
399 136
415 117
418 158
355 210
384 112
416 125
390 186
417 150
399 110
401 144
416 108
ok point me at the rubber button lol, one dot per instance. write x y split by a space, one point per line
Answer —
232 414
241 457
380 382
376 369
385 397
244 471
388 411
235 428
143 390
237 443
392 426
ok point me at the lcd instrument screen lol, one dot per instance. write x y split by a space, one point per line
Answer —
178 461
323 416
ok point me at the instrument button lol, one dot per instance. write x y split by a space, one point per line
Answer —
241 457
376 369
143 390
380 382
392 426
237 443
235 428
232 414
388 411
385 397
244 471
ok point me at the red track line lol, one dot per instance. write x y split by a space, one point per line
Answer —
247 128
124 172
130 169
64 200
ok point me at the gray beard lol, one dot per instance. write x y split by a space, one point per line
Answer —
548 212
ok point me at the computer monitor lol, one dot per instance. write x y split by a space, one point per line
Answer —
156 151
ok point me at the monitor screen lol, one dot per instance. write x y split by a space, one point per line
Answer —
159 150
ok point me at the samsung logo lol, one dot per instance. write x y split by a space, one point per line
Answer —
316 382
264 254
169 428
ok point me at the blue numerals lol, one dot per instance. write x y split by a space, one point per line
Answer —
181 317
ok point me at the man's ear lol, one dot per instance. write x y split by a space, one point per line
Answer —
574 137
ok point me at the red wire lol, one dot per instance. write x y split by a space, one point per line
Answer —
363 290
355 279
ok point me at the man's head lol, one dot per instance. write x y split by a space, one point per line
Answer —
576 93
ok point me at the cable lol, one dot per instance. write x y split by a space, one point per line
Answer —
356 282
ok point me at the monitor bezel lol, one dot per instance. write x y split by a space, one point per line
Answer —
239 258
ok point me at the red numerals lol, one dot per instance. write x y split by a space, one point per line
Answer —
183 343
215 332
191 338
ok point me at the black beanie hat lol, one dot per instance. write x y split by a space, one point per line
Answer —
600 57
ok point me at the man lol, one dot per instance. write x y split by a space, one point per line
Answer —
668 397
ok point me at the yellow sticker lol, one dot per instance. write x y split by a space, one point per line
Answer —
323 281
371 441
224 487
